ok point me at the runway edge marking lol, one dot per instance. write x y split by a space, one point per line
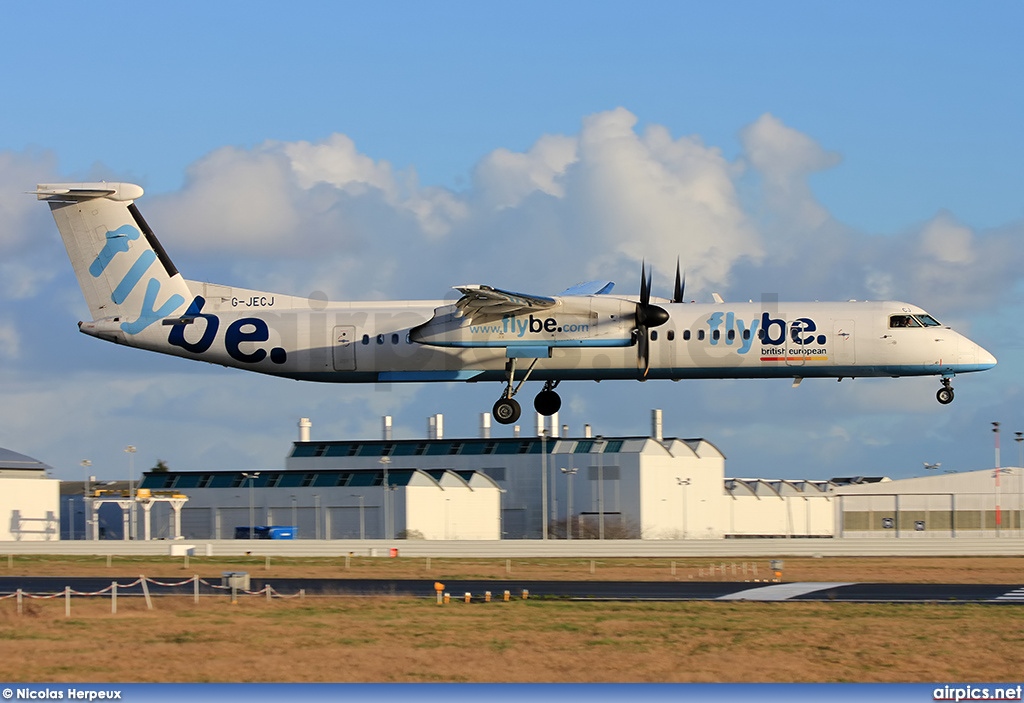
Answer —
781 591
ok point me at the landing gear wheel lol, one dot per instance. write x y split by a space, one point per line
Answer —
547 403
506 411
944 396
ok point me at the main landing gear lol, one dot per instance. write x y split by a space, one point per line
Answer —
507 409
945 394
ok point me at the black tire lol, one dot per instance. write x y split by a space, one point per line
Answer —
506 411
944 396
547 403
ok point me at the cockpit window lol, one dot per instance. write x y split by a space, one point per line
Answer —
928 320
903 321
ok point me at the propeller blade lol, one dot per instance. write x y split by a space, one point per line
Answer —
645 285
677 292
643 351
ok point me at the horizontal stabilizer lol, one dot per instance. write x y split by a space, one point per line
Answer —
86 191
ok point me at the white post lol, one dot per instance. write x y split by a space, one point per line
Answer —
147 514
543 481
130 450
599 445
176 505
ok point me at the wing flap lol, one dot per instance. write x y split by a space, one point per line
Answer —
480 300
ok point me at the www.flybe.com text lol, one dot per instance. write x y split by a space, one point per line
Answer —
533 325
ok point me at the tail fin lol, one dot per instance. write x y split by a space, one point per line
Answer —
127 278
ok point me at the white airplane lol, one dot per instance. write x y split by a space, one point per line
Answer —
137 297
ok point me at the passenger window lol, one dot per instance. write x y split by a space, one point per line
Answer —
394 339
746 334
671 335
700 335
366 339
716 335
686 335
731 335
380 339
654 335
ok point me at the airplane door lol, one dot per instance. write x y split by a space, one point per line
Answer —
344 348
796 354
843 350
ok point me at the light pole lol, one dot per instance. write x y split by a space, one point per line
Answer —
295 515
599 447
130 450
251 478
544 484
85 497
1019 439
999 517
684 482
362 522
569 473
385 462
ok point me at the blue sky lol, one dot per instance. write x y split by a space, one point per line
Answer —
843 151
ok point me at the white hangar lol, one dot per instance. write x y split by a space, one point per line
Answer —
509 488
987 503
29 500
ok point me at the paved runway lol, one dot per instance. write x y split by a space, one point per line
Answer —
580 590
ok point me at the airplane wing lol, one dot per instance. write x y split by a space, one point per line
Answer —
589 288
480 301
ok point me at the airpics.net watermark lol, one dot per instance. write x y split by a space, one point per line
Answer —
978 693
60 694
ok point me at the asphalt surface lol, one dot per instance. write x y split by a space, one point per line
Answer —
581 590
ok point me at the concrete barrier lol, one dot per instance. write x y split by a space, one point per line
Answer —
517 549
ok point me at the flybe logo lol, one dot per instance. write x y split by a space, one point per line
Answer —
773 334
118 242
246 329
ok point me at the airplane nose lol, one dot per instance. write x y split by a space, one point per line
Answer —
985 358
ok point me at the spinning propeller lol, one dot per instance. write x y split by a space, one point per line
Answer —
647 316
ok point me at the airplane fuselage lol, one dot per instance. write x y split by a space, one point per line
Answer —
137 297
365 342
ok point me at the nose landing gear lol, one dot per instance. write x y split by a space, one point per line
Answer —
945 394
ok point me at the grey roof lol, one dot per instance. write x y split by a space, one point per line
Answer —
13 460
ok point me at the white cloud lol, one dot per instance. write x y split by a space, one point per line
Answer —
10 341
20 213
947 241
21 279
236 200
336 161
504 178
